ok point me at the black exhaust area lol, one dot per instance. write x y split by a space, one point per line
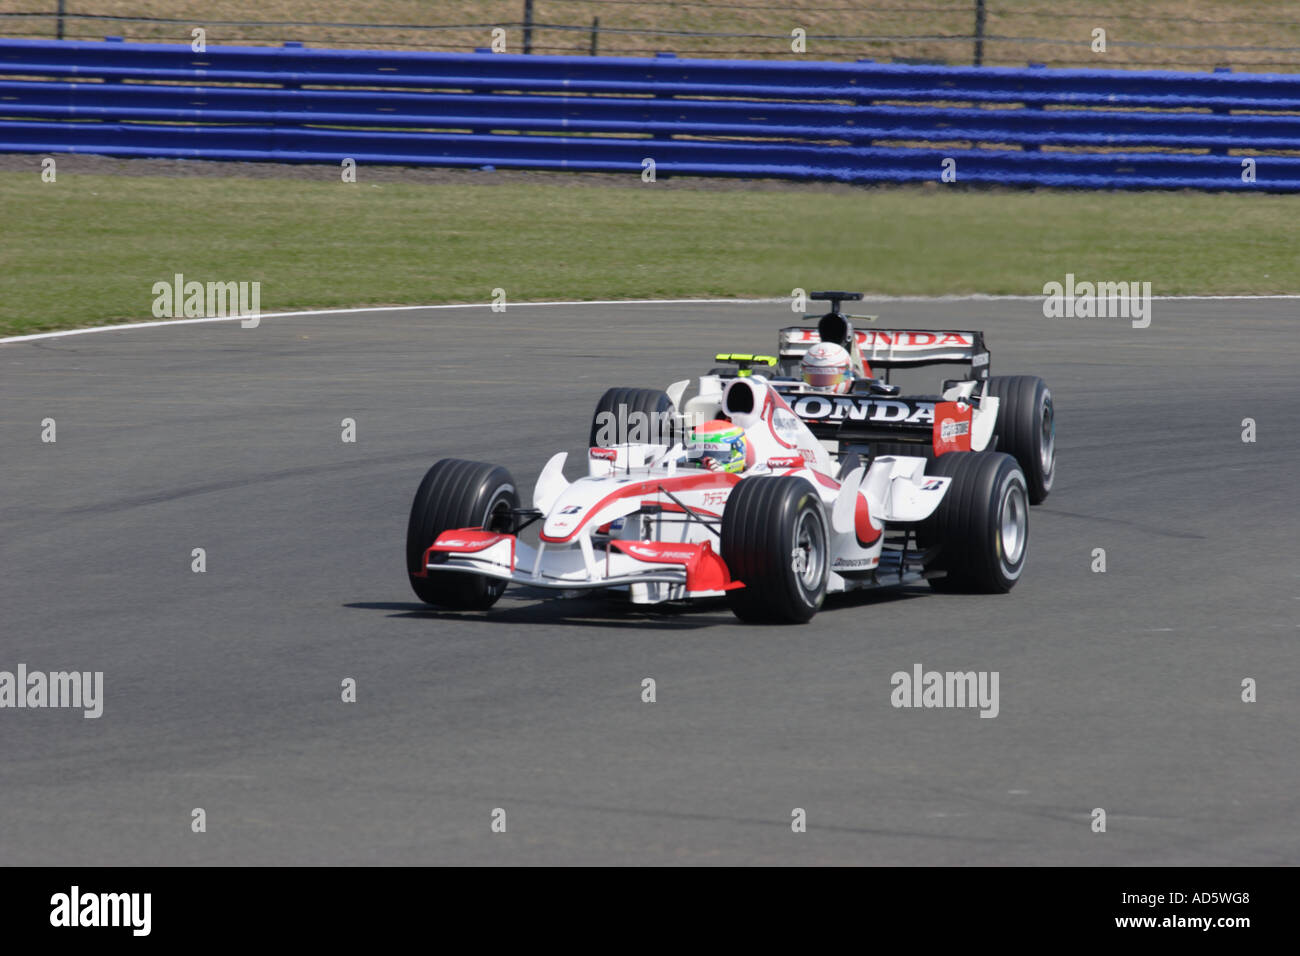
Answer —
739 399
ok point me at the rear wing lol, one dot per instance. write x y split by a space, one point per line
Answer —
895 348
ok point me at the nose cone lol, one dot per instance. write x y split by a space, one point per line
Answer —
568 511
589 499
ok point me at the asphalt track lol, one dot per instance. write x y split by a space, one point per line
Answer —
1119 690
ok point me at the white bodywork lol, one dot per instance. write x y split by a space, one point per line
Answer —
641 519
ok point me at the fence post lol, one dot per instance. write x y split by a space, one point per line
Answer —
59 35
1221 150
528 26
979 32
595 30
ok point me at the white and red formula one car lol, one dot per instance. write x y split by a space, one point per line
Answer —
763 488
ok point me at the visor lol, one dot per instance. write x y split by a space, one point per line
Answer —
825 378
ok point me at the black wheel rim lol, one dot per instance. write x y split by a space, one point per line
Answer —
1047 437
1013 523
808 558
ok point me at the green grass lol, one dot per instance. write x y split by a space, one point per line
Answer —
87 249
1176 33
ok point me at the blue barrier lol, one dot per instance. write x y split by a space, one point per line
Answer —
851 122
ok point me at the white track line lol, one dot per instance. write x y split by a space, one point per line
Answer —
974 297
376 308
985 297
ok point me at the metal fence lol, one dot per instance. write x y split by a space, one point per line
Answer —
859 122
1166 34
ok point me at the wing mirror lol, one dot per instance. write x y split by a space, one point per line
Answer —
874 386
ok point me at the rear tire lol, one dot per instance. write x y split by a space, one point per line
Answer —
458 494
775 539
981 528
1026 429
622 404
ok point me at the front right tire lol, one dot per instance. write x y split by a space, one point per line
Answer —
623 410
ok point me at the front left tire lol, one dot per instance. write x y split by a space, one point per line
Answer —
458 494
775 539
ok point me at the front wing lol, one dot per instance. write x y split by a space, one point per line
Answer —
697 568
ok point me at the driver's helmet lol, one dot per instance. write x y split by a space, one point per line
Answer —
717 445
825 366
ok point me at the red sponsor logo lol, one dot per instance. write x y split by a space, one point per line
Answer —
467 540
786 461
952 422
705 570
603 454
915 339
659 554
949 429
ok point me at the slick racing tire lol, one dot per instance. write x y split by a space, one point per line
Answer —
1026 429
619 411
775 540
981 528
458 494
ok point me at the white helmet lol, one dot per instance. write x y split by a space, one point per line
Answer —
826 366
